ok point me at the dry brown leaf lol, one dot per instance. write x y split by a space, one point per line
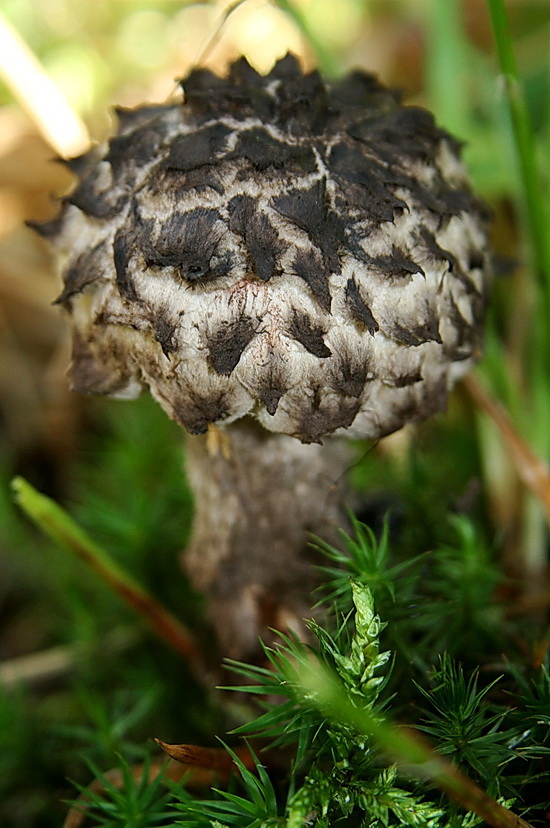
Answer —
213 759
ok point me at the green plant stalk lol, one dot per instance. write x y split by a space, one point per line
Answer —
322 689
536 220
56 523
524 145
445 61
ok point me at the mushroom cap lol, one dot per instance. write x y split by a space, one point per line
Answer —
308 253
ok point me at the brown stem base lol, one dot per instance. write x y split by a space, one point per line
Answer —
258 498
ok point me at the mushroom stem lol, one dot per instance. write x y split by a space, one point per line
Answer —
258 498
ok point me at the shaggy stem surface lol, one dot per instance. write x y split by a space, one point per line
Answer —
258 498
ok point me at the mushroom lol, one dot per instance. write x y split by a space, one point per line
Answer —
286 264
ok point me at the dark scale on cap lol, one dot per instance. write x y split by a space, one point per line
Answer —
310 211
164 334
428 240
468 282
197 149
403 380
359 308
49 230
396 265
263 151
273 244
270 379
177 185
227 343
361 92
195 413
463 338
416 333
408 130
350 166
122 247
303 104
186 242
321 414
86 269
476 260
308 334
349 373
96 369
262 240
90 195
243 92
79 164
130 119
271 391
137 148
96 203
307 264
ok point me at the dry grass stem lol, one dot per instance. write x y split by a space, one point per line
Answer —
532 471
39 95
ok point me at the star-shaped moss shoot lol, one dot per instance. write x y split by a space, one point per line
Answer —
286 261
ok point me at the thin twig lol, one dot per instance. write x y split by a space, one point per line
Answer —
214 37
329 65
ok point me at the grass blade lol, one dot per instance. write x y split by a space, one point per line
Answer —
524 142
56 523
